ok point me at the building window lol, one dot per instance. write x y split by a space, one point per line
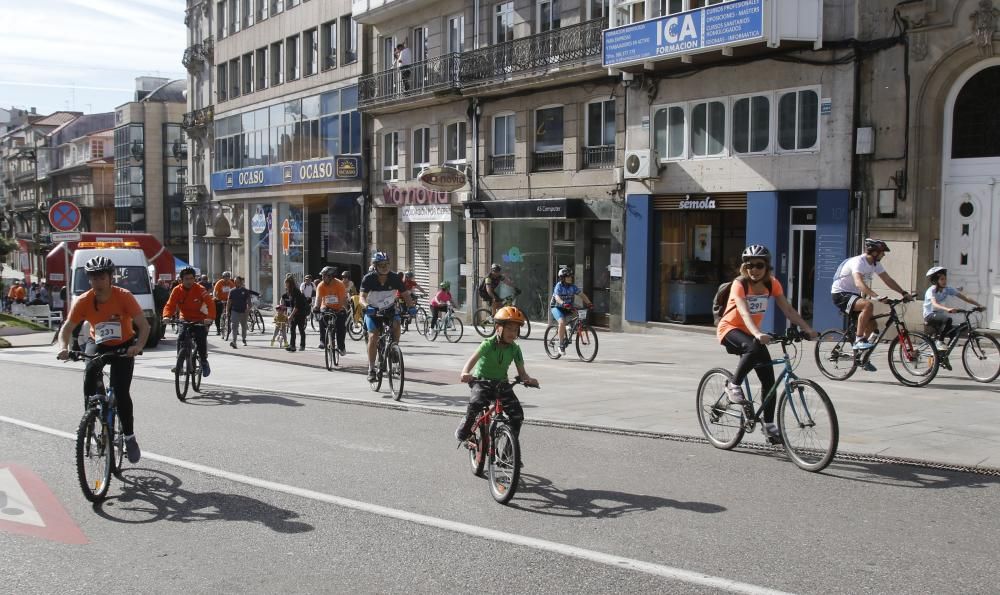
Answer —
248 79
752 124
503 22
455 143
234 78
310 52
708 129
600 149
350 121
261 62
503 144
290 4
975 119
220 20
350 39
671 6
549 15
628 12
798 120
277 6
310 139
421 150
277 64
669 132
328 45
247 14
598 9
548 153
174 142
456 36
261 10
390 156
292 61
220 80
234 16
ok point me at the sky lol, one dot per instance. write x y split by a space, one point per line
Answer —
84 55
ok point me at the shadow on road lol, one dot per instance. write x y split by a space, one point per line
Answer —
538 494
905 476
150 495
211 398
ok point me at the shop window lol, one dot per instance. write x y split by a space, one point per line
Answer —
503 144
976 123
751 124
390 156
564 231
455 143
669 132
600 134
798 120
328 45
521 247
548 155
708 129
421 150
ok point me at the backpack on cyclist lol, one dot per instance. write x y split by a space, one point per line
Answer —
482 287
722 297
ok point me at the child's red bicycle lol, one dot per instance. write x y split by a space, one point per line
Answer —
494 445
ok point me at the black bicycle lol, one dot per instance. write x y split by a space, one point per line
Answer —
389 360
913 358
255 320
482 319
330 352
100 441
981 352
578 330
187 371
806 419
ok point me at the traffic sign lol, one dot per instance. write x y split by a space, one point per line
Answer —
65 236
64 216
28 507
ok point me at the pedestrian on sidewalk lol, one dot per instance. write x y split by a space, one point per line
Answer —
298 312
237 306
223 287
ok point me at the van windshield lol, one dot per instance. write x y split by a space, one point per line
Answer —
134 279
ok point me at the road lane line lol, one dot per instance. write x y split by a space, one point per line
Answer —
667 572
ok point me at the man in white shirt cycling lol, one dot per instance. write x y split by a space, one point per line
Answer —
852 292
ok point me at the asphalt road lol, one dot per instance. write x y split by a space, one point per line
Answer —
251 491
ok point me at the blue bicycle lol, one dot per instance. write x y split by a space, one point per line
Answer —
806 417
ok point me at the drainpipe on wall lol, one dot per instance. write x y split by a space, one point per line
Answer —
474 112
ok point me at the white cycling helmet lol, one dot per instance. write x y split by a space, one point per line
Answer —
933 272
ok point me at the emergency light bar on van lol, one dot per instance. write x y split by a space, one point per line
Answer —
107 245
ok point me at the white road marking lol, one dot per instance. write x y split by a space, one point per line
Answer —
15 505
660 570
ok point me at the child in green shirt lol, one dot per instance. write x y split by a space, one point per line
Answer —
489 365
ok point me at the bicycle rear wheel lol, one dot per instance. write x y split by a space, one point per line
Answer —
330 353
808 425
525 331
117 447
551 341
720 420
356 329
226 327
835 356
981 357
586 343
504 463
181 375
397 373
482 321
453 329
913 359
260 321
477 455
93 456
421 321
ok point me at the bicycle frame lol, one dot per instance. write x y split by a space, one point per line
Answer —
785 378
892 320
966 328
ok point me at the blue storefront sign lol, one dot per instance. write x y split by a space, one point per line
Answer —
302 172
727 24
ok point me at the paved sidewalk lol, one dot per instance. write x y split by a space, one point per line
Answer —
637 383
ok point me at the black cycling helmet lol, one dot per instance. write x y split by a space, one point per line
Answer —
495 268
99 264
872 244
380 257
328 270
756 251
565 272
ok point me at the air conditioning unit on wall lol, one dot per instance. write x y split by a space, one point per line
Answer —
638 164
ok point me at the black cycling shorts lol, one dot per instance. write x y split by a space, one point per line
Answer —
845 301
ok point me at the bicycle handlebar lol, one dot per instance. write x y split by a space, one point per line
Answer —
77 355
792 335
517 380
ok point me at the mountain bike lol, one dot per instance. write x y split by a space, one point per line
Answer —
100 441
330 352
447 323
483 322
255 320
913 358
494 445
806 418
577 330
981 352
389 359
188 368
226 326
418 319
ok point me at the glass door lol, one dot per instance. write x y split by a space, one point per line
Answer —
802 260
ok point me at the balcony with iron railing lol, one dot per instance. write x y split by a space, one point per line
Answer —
199 122
547 161
195 193
197 55
502 165
599 157
410 83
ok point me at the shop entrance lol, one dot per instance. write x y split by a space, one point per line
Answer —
802 260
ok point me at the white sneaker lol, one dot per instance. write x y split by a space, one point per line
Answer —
735 393
562 350
941 346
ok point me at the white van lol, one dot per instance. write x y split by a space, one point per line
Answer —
132 273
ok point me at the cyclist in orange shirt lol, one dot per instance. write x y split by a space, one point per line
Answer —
221 292
195 304
331 296
739 330
17 293
114 316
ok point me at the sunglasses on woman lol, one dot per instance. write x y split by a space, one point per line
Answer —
758 266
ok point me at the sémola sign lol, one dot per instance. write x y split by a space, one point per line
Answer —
442 178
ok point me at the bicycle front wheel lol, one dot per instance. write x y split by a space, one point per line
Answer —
504 463
835 356
356 329
93 456
981 357
330 352
397 373
453 329
720 420
421 320
181 375
551 341
913 359
482 321
586 343
808 425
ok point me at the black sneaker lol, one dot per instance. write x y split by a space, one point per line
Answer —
132 450
233 344
461 434
206 370
244 342
372 376
290 348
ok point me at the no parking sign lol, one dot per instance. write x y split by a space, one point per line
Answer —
64 216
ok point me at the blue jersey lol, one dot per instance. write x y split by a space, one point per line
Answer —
939 294
564 294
